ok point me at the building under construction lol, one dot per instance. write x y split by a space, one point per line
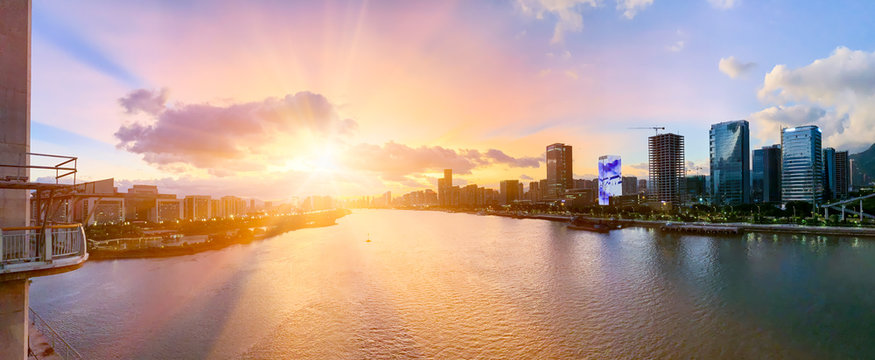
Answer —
667 168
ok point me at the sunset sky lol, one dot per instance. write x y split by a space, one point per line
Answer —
274 99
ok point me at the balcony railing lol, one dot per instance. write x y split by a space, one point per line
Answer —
37 248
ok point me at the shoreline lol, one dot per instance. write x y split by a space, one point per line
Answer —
97 254
742 227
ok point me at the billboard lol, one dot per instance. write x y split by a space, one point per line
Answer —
610 178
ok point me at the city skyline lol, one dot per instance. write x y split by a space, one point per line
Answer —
364 88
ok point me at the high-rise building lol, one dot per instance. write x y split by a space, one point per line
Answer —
610 178
801 164
730 162
197 207
534 193
509 191
630 185
771 173
697 189
829 173
445 186
560 176
843 175
856 175
756 176
667 168
642 186
168 210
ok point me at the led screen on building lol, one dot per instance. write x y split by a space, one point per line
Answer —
610 178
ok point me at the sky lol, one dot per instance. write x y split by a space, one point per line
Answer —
280 99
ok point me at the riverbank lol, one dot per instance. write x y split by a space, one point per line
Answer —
218 240
742 227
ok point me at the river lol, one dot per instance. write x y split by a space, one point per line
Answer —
453 286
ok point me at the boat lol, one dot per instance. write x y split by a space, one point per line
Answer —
599 228
578 223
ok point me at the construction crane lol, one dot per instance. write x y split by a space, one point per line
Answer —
655 128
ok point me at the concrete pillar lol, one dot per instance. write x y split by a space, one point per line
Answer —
14 318
14 144
14 107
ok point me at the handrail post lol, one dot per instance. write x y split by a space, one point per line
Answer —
84 246
47 235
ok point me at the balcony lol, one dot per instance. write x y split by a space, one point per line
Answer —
37 251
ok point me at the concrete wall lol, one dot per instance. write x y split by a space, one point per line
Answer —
14 106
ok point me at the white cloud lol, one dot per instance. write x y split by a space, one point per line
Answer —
724 4
569 13
677 46
735 68
571 74
836 93
630 8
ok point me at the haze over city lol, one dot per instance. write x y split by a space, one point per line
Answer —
360 97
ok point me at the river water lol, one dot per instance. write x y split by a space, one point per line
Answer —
453 286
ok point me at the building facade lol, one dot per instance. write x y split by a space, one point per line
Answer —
756 177
509 191
771 177
667 168
630 185
730 163
197 207
843 174
829 173
801 164
560 176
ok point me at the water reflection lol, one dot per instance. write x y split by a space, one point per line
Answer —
439 285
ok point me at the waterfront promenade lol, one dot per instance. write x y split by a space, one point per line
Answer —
742 227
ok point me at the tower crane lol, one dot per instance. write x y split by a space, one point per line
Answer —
655 128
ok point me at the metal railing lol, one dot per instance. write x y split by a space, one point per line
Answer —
33 244
61 347
66 166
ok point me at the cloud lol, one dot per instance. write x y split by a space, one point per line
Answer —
395 161
571 74
724 4
569 13
526 177
226 139
769 121
631 7
145 101
836 93
677 46
499 157
735 68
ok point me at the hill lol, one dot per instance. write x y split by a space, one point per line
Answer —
866 161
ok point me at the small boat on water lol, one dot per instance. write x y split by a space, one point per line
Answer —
579 223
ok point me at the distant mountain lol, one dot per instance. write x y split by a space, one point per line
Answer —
866 161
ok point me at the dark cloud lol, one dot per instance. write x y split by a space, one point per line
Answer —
499 157
526 177
145 101
395 161
238 137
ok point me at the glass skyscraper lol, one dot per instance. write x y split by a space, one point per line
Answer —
730 163
771 172
756 174
829 173
801 164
